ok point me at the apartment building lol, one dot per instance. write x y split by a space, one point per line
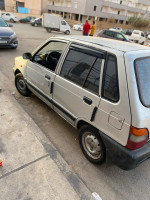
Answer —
119 10
34 6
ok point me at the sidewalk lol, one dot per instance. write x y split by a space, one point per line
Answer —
32 168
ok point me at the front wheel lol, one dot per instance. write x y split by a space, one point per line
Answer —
91 144
21 85
49 30
67 32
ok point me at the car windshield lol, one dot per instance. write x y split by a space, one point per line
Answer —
3 23
142 69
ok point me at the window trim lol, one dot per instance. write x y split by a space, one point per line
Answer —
102 64
137 81
104 71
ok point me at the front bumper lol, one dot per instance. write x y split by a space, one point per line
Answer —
124 158
10 44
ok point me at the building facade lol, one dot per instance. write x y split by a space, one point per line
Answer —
119 10
35 7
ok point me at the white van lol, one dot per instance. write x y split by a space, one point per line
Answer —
138 37
100 87
55 23
7 16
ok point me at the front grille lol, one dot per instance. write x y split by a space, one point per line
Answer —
4 40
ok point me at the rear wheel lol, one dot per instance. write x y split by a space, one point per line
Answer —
79 29
91 144
12 20
142 43
21 85
49 30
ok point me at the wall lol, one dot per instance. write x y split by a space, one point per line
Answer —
34 6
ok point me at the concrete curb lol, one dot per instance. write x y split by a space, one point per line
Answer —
76 183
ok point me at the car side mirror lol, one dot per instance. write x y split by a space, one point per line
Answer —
27 56
10 25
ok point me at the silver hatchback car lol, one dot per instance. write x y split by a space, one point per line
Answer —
101 87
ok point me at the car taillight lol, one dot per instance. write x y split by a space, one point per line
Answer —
137 137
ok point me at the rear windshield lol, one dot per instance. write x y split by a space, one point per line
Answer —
142 70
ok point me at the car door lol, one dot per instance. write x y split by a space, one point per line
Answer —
4 16
76 87
63 26
40 71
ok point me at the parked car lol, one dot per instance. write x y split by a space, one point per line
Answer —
118 29
8 38
112 35
36 22
148 37
7 16
55 23
98 87
138 37
26 19
78 27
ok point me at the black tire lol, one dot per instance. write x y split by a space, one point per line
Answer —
142 43
49 30
21 85
79 29
91 144
14 47
12 21
67 32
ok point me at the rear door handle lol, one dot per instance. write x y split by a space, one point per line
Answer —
47 77
87 100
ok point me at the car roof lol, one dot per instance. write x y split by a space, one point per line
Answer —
105 42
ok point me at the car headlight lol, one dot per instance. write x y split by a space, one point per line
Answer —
13 36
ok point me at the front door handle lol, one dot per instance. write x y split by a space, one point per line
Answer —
87 100
47 76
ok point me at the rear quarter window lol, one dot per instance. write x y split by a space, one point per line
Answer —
110 87
142 72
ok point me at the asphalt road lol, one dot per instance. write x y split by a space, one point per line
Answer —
110 182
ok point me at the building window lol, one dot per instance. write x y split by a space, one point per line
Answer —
118 12
75 5
2 5
95 7
120 2
53 3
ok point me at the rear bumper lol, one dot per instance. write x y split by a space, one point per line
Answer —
124 158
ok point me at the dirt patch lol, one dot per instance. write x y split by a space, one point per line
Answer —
106 25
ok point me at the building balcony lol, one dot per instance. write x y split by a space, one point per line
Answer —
122 7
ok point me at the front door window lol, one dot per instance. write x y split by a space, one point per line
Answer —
49 55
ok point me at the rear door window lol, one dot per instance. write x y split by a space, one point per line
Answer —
142 71
76 66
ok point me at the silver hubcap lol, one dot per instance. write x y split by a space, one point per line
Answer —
91 145
21 85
